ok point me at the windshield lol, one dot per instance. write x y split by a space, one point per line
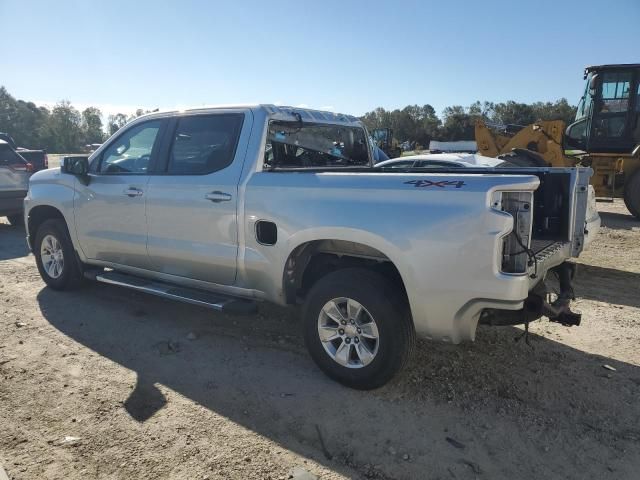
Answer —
585 102
298 145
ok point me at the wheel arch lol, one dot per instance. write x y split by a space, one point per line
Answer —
311 260
37 216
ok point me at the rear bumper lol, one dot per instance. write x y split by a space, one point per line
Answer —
538 304
508 293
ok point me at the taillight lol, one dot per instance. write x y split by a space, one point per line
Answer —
46 161
516 244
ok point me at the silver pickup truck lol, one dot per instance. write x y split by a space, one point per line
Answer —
226 207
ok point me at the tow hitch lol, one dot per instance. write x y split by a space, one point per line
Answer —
559 310
540 302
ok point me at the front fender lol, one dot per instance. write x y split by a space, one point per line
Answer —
53 189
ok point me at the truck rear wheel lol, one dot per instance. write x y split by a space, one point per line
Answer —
632 194
357 328
56 257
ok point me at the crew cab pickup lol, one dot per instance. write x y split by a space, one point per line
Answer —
227 207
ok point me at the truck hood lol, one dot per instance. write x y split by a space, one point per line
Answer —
46 176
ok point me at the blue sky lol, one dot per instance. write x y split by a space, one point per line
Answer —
348 56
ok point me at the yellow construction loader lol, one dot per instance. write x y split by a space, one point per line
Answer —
386 142
605 135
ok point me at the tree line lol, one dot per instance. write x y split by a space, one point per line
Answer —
421 124
64 129
61 129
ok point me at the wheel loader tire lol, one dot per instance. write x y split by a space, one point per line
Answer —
520 157
632 194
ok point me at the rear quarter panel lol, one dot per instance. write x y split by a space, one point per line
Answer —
442 237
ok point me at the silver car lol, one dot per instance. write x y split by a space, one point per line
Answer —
14 183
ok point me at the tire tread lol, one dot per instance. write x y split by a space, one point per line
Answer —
632 194
398 358
70 279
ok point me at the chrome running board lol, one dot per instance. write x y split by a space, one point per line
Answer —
193 296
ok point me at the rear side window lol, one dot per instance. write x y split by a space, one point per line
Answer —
204 143
302 145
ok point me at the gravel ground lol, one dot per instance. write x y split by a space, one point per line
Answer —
111 384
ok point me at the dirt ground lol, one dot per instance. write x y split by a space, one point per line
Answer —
111 384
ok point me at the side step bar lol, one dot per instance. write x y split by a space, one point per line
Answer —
202 298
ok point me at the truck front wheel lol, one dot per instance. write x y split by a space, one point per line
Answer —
357 328
55 256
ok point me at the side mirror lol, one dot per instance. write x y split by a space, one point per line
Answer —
78 166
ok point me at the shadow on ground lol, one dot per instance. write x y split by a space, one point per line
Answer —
619 221
496 407
609 285
12 242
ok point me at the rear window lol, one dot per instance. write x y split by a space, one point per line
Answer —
303 145
204 143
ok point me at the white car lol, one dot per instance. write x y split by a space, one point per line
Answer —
471 160
442 160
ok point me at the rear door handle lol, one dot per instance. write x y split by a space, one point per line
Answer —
132 192
218 197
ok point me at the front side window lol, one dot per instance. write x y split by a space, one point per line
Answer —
204 144
299 145
615 91
130 152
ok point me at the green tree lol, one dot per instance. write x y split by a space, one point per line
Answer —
558 110
116 122
92 126
457 124
513 113
377 118
65 127
24 121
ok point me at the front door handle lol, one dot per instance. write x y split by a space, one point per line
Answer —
218 197
132 192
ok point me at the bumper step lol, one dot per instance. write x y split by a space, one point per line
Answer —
202 298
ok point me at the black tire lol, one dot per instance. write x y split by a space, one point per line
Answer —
521 157
385 305
16 220
71 272
632 194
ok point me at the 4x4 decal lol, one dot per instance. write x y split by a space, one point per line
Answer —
441 184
